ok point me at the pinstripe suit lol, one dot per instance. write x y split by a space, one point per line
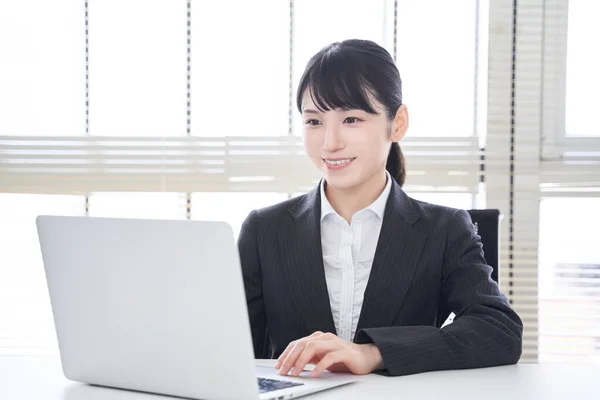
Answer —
428 262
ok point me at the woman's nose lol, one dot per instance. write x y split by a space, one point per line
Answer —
333 140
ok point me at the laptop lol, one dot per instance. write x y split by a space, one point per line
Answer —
157 306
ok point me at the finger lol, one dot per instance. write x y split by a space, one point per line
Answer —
329 336
289 348
334 357
295 352
284 355
291 358
311 350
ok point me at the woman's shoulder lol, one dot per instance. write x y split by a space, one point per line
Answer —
281 208
437 214
278 211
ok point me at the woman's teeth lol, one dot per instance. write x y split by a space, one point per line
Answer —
338 162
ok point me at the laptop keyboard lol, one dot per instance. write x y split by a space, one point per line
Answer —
269 385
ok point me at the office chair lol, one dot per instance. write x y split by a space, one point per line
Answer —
487 226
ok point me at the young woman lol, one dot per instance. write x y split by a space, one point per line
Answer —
356 276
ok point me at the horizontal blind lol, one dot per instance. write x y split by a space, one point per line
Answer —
273 164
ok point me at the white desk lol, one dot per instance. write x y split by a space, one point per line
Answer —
40 378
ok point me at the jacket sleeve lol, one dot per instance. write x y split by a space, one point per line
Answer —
252 274
485 332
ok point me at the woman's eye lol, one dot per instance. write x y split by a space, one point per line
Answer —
352 120
313 122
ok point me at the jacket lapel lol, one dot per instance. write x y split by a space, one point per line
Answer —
399 248
306 272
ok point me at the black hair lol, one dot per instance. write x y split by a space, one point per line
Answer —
345 75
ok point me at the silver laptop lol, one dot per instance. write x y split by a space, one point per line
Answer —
157 306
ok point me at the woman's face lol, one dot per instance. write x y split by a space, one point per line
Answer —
350 147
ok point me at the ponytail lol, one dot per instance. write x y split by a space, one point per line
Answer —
395 164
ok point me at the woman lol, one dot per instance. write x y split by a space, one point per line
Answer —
356 276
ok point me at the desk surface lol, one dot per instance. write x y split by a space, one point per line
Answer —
41 378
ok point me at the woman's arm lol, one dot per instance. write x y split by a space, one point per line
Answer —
485 332
252 273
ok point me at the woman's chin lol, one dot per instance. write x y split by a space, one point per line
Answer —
340 181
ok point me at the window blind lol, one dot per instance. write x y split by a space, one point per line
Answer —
66 165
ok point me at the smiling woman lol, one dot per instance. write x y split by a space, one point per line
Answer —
355 275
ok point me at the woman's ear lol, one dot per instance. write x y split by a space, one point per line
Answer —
400 125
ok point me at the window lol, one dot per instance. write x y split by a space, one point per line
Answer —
42 70
438 69
583 64
570 129
240 68
569 280
137 64
26 324
138 205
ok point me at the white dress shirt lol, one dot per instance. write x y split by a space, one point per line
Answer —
348 251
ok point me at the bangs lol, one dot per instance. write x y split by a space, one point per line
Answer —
336 81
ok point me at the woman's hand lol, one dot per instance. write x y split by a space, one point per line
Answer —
329 352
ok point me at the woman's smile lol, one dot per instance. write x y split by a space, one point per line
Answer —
337 164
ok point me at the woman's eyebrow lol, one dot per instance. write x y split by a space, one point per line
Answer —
310 111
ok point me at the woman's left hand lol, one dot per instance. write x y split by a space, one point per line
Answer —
329 352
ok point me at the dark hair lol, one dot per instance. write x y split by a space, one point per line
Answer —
344 75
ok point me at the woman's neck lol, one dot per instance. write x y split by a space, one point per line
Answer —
347 202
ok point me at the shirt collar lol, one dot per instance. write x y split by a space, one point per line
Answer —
378 206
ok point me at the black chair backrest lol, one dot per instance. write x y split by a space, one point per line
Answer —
487 225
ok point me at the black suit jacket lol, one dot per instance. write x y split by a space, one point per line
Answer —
428 261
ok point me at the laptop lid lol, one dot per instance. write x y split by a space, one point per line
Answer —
150 305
